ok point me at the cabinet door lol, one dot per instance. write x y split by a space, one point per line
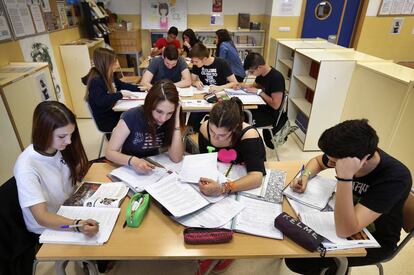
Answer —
22 98
9 146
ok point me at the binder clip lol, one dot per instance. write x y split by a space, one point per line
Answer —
136 209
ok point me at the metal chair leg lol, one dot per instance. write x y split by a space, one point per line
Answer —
60 267
380 268
342 264
91 266
35 262
100 148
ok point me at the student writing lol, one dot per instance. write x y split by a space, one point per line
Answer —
372 187
48 169
225 130
143 131
169 66
104 90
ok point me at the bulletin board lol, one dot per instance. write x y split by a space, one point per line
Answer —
162 14
396 7
5 31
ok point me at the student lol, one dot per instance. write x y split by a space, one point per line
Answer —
209 70
269 85
226 50
101 94
225 129
163 42
142 131
47 170
169 66
371 191
189 40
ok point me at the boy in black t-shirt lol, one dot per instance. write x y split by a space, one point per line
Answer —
371 190
270 85
208 70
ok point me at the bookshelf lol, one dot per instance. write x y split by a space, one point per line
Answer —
23 86
319 84
384 94
77 61
285 49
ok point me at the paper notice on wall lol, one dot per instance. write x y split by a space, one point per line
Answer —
217 19
20 17
396 25
38 49
45 5
42 86
37 18
5 32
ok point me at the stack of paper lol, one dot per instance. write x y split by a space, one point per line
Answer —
138 182
323 223
199 166
317 194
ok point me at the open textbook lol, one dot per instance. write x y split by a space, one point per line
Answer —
92 194
245 97
105 216
318 192
323 223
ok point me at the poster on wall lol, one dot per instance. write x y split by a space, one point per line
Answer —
163 14
5 32
396 25
217 6
20 18
38 49
42 86
217 19
37 18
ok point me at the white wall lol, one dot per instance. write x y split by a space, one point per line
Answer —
373 7
286 7
254 7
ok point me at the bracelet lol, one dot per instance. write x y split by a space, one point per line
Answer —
228 187
129 160
77 228
341 179
307 173
177 128
259 91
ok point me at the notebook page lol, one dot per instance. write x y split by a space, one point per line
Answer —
300 208
317 194
180 199
197 166
213 215
257 218
165 161
189 91
105 216
136 181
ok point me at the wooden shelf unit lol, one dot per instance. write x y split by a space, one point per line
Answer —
384 94
318 89
76 58
285 49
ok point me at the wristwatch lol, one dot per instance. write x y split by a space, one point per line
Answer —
259 91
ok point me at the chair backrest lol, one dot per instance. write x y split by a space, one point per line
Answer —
408 213
283 108
93 118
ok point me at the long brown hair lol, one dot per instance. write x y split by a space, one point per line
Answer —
162 90
228 114
103 59
47 117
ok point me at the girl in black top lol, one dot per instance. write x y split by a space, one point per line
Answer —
189 39
101 94
225 129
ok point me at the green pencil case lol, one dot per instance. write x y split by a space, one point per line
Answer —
136 209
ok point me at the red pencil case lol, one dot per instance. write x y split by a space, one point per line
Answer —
196 235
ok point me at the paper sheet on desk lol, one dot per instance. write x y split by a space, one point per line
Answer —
180 199
213 215
136 181
246 98
165 161
137 95
195 103
197 166
105 216
125 105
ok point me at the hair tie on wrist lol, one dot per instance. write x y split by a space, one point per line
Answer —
341 179
129 160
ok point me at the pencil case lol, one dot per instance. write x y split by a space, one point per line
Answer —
196 235
300 233
134 217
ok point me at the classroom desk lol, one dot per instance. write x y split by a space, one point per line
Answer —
136 103
131 79
159 237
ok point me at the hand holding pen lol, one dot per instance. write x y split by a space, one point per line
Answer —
209 187
88 227
299 184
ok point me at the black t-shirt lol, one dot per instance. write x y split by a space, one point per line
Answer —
214 74
250 151
272 82
140 142
384 191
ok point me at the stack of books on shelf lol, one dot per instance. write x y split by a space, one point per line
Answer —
302 121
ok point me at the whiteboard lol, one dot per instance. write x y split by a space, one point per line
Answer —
162 14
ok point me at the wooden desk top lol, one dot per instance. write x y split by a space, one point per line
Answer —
159 237
131 79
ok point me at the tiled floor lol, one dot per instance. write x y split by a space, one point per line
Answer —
402 265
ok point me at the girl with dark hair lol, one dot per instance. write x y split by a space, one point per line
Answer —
226 130
47 170
227 50
101 93
189 39
143 131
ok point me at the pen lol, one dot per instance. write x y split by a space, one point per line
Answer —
228 170
71 226
302 170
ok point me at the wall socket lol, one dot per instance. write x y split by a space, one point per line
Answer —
284 29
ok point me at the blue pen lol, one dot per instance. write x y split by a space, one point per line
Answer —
302 170
71 226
